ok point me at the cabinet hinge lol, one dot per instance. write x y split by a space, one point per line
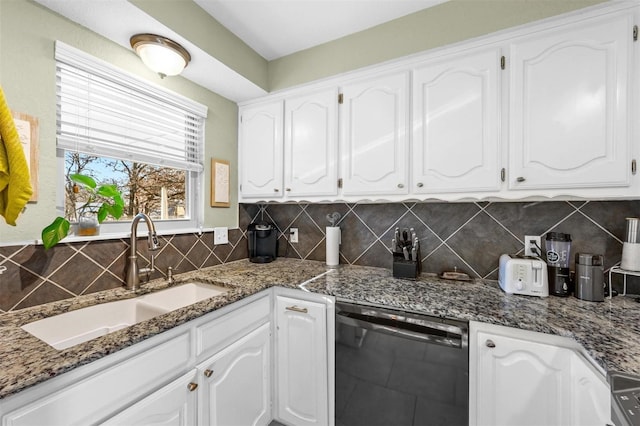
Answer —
503 173
340 98
503 62
633 167
635 33
340 183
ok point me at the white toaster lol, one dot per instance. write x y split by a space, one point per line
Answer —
523 275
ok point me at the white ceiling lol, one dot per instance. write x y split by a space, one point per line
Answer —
273 28
276 28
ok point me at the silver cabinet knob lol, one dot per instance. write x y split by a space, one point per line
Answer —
520 179
419 184
489 343
288 189
276 190
400 185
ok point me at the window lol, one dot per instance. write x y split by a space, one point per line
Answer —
122 130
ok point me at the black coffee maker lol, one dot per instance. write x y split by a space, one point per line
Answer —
262 238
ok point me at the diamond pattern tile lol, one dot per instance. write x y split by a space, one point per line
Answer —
481 243
530 218
461 235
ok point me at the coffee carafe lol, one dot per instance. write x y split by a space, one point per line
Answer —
558 247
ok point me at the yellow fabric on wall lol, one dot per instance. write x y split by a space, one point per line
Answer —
15 183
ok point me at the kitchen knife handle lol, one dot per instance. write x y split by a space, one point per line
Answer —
295 308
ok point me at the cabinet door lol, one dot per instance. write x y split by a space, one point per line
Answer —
520 382
261 150
236 383
173 405
568 106
374 135
591 395
301 367
311 144
456 124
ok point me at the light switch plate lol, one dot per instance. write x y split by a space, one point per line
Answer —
220 235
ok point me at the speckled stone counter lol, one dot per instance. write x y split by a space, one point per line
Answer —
610 331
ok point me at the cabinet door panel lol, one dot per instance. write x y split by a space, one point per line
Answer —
568 107
173 405
516 378
237 390
302 362
261 149
311 144
456 125
374 136
591 395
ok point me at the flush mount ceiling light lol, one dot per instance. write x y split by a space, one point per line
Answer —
160 54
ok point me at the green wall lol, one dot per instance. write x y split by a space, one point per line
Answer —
447 23
27 76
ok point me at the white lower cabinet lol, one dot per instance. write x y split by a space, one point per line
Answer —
304 381
235 383
525 378
215 370
95 392
172 405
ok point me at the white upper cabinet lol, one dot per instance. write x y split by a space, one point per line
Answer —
375 136
568 106
456 124
554 119
260 150
311 144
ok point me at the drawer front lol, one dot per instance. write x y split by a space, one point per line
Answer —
221 332
107 392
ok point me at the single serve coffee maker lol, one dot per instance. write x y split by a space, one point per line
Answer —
558 247
262 238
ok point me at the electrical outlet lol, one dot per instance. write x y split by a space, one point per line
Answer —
530 249
220 235
293 235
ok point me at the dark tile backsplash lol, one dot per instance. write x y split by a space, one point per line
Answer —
469 236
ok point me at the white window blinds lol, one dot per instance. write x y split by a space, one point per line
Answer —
106 112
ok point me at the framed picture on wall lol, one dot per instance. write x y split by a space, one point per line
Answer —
220 196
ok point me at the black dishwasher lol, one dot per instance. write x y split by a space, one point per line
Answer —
396 368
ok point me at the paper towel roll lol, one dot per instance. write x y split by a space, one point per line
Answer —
630 256
333 245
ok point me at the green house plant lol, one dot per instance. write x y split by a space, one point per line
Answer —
102 201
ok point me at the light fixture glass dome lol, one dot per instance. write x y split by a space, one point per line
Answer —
160 54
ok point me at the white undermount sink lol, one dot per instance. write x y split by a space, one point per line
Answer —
71 328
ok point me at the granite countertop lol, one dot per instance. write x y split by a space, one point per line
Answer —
609 331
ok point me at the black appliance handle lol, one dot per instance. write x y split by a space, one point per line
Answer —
400 328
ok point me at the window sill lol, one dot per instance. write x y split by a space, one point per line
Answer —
126 235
